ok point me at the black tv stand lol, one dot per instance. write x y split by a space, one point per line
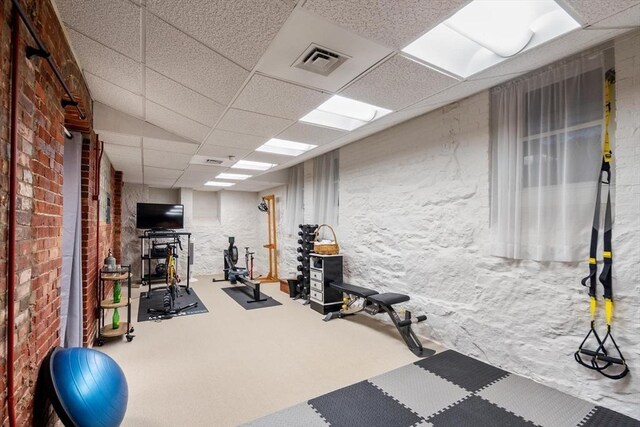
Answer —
146 257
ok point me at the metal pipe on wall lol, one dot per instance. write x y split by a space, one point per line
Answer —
44 53
96 197
11 238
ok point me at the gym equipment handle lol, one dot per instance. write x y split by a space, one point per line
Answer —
407 322
602 357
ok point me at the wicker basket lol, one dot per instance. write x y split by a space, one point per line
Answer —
326 248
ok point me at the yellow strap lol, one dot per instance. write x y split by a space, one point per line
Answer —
592 261
608 310
592 307
606 254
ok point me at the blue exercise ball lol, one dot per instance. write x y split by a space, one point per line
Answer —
89 387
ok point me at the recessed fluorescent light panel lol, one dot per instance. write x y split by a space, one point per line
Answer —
235 176
487 32
247 164
284 147
344 113
219 184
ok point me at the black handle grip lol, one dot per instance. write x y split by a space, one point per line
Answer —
407 322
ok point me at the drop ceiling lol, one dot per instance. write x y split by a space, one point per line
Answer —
177 82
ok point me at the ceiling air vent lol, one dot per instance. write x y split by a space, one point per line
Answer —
213 161
320 60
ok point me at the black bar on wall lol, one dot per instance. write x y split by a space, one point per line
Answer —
44 53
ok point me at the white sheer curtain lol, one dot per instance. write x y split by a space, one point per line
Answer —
546 133
294 213
325 189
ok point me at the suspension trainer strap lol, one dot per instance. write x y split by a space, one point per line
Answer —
601 360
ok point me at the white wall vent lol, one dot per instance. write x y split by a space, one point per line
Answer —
319 60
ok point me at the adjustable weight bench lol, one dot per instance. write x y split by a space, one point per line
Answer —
363 299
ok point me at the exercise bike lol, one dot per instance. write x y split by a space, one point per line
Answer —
172 280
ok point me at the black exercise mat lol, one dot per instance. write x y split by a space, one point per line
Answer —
448 389
156 302
242 294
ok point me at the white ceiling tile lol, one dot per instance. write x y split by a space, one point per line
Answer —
174 122
161 173
627 18
394 23
397 83
120 139
203 170
163 159
310 134
460 91
181 99
277 159
189 62
303 29
114 150
277 98
128 162
114 96
234 139
590 12
114 23
240 29
106 63
170 146
159 182
254 186
252 123
185 182
222 151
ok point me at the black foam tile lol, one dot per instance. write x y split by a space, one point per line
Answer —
477 412
603 417
463 371
155 301
362 404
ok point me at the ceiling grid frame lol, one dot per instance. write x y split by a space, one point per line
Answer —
404 113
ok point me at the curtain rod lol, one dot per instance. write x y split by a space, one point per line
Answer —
44 53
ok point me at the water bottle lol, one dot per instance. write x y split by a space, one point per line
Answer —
117 292
115 322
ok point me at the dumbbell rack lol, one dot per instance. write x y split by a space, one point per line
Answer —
305 240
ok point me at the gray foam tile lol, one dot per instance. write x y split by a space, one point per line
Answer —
362 404
461 370
541 404
603 417
421 391
301 415
476 412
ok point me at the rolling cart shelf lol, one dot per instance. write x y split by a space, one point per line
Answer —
109 332
108 303
105 329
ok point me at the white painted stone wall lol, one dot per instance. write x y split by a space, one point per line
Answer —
237 217
414 218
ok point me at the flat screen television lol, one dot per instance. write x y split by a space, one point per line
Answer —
159 216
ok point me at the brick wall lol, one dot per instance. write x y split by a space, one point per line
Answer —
39 200
93 253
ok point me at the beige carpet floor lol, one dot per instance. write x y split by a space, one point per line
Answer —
232 365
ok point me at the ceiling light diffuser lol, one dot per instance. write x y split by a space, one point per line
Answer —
237 176
284 147
219 184
247 164
344 113
487 32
